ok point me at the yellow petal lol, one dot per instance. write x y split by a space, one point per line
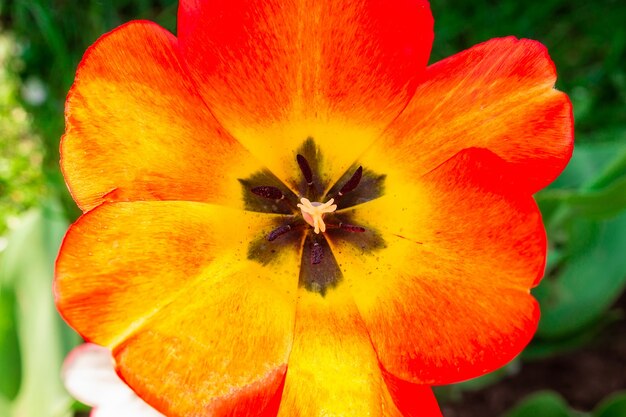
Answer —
195 323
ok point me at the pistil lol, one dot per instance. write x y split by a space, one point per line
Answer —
313 213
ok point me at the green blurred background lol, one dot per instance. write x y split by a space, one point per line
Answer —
575 366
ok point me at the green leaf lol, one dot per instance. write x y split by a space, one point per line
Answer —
597 204
614 406
593 185
541 404
606 202
5 408
10 361
591 163
610 172
589 282
541 348
28 263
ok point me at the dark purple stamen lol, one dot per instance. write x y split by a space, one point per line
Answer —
347 227
306 169
351 228
271 193
352 183
279 231
317 253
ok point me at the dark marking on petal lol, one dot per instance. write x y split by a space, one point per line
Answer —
317 253
370 186
319 269
254 202
265 191
265 252
320 276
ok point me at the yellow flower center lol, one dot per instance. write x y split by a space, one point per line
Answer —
313 212
312 200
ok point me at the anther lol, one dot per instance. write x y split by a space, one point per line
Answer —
271 193
317 253
279 231
306 169
352 183
349 227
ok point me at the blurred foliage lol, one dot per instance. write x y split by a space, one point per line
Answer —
585 215
542 404
30 375
21 151
42 41
551 404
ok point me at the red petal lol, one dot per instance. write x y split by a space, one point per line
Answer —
447 298
412 400
498 95
275 72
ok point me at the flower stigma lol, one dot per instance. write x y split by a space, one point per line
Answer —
313 212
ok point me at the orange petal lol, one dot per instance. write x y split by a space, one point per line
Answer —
277 72
333 370
498 95
196 327
448 298
136 128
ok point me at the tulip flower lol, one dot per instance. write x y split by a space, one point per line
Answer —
288 212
